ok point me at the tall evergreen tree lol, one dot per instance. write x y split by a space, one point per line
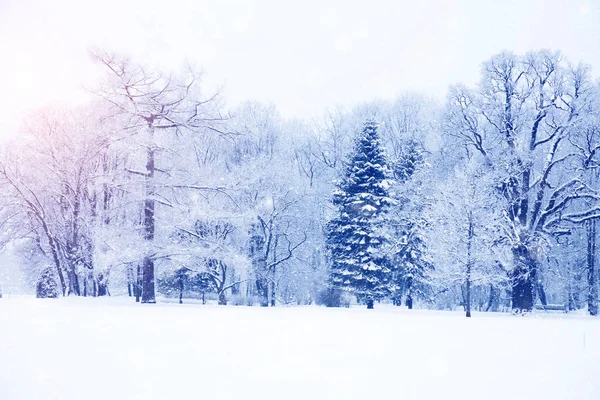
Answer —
356 238
411 262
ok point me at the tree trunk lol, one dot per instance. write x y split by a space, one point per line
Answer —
222 298
592 273
74 247
148 296
102 285
408 289
148 289
522 280
54 251
272 294
469 265
273 271
370 304
138 284
494 300
73 280
180 288
262 288
468 299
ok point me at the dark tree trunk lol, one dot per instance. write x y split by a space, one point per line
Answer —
103 289
370 304
103 285
180 288
74 287
262 289
55 257
222 298
494 299
468 297
469 264
522 280
148 289
148 296
272 294
138 284
409 292
272 273
219 282
592 273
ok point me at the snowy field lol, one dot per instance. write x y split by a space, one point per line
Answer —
112 349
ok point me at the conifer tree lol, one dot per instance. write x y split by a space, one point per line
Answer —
412 266
46 287
357 237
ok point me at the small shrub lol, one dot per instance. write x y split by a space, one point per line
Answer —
46 287
330 297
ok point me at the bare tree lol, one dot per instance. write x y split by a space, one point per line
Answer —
519 121
148 103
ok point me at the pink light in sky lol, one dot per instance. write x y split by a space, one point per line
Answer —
303 57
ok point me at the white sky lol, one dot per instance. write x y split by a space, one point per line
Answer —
303 56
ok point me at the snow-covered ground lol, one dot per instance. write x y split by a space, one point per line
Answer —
113 349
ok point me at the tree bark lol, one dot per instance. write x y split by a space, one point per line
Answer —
262 287
522 280
409 301
493 301
592 272
222 298
148 289
272 290
409 298
180 288
138 284
148 281
469 265
55 257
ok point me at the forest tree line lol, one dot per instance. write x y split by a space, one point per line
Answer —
491 196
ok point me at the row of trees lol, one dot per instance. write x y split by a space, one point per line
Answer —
488 201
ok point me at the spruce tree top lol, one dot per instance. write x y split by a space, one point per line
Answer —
365 182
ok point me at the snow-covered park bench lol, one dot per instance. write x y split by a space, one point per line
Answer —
551 307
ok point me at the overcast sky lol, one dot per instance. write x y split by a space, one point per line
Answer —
303 56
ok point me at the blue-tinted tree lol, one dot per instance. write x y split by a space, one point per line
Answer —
356 238
46 286
411 262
